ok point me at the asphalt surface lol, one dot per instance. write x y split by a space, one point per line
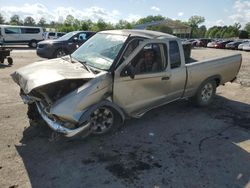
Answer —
177 145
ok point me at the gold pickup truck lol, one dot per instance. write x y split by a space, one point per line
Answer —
115 75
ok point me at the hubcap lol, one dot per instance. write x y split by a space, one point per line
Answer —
101 120
207 92
60 53
33 44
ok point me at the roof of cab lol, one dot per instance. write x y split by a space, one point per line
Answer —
140 33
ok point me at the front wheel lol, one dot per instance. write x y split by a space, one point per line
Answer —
60 53
33 44
10 61
205 93
104 120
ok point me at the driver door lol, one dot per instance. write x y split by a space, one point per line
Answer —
147 89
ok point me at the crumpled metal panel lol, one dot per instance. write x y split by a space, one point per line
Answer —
45 72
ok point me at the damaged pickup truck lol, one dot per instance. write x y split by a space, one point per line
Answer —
115 75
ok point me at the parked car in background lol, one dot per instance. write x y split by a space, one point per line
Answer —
203 42
193 42
233 45
222 44
246 46
21 35
240 47
64 45
52 35
211 44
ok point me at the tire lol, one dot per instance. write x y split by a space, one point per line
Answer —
205 93
10 61
60 53
104 120
33 44
1 60
33 113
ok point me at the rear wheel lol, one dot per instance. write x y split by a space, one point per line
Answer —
33 44
1 60
205 94
10 60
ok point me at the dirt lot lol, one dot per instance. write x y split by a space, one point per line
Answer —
177 145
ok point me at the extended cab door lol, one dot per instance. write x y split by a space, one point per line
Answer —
151 84
177 68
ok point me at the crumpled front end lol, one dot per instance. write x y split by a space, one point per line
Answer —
62 104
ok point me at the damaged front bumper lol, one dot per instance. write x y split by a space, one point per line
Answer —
53 124
58 127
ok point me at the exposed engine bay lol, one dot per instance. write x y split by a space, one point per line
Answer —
52 92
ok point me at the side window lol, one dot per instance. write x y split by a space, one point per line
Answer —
12 30
150 59
51 34
60 34
82 36
30 30
131 47
174 54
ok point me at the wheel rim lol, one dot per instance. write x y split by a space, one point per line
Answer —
207 92
33 44
60 53
101 120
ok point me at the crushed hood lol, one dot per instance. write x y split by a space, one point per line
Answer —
45 72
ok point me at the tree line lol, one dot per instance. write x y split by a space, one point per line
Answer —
195 22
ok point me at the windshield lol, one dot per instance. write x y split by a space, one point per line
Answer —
67 36
100 50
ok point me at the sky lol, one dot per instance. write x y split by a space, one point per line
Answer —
216 12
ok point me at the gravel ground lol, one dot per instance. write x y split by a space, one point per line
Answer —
177 145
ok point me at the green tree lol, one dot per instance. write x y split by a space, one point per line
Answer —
243 34
247 27
2 21
86 25
29 21
42 22
123 24
15 20
69 20
194 22
161 28
202 31
150 18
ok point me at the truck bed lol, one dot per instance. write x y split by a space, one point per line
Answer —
225 68
197 54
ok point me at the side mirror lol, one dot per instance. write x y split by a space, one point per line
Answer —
129 70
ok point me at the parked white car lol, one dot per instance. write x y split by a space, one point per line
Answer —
21 35
52 35
240 47
246 47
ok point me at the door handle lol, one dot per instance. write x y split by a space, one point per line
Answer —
165 78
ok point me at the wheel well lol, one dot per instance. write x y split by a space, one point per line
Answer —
217 80
32 40
116 112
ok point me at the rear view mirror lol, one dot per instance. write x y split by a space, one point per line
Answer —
129 70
